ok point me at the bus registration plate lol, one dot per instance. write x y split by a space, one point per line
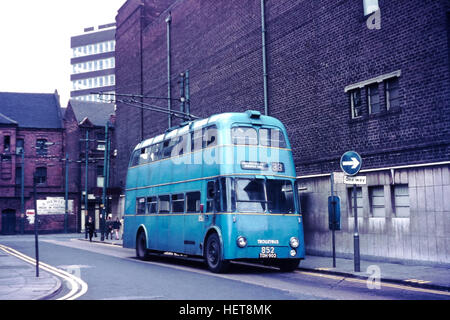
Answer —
267 252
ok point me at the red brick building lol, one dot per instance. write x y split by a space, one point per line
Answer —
32 144
83 121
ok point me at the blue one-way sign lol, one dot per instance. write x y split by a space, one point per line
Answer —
351 163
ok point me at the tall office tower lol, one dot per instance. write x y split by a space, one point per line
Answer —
93 62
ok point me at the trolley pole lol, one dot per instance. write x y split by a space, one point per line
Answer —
104 195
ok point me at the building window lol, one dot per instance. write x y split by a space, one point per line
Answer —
6 143
100 177
373 99
392 94
370 6
41 175
377 207
356 103
401 201
41 147
359 201
20 146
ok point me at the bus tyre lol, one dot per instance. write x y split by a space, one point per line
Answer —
141 246
288 265
213 255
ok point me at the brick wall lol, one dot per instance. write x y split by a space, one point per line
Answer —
10 191
315 49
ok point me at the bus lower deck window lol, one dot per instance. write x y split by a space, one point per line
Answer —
152 205
178 203
140 206
164 204
193 202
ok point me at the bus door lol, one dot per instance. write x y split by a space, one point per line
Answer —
196 222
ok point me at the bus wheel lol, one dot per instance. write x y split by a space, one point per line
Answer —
141 246
213 255
288 265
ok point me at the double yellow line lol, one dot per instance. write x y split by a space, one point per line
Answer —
383 284
77 286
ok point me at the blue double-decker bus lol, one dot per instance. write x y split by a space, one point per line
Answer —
222 188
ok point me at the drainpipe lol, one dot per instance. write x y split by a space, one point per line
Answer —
169 102
263 29
141 42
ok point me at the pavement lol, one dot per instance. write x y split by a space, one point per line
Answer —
18 279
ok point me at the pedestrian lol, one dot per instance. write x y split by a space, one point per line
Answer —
116 227
121 228
90 228
109 227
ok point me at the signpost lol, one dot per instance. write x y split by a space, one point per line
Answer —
351 163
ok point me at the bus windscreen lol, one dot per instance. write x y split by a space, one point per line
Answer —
258 195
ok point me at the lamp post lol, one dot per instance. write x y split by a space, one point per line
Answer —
36 221
22 191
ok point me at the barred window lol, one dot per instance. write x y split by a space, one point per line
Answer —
359 201
373 98
356 103
401 201
392 94
377 206
41 147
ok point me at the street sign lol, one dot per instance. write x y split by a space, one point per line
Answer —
359 180
351 163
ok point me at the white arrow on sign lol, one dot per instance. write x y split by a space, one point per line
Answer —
354 163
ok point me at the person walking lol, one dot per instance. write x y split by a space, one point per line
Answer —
116 227
90 228
109 227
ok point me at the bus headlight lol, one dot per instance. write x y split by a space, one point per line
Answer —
293 253
241 242
294 243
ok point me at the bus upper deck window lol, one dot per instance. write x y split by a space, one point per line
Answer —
244 136
272 138
210 136
180 146
197 140
135 158
155 152
144 156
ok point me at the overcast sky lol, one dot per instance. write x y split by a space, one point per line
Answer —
35 41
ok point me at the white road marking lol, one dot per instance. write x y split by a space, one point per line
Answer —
77 286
